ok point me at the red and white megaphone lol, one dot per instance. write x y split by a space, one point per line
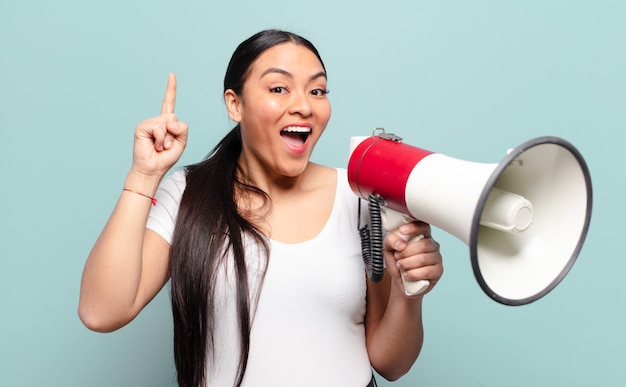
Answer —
524 219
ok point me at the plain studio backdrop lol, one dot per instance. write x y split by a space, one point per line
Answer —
470 79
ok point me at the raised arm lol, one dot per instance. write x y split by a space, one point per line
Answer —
128 264
393 322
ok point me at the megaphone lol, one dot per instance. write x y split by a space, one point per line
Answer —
524 219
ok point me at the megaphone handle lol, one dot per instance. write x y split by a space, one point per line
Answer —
413 288
391 220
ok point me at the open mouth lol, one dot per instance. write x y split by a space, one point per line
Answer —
295 135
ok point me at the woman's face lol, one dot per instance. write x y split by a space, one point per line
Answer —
283 110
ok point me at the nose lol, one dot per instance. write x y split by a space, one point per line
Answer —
300 104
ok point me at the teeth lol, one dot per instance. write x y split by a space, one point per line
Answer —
297 129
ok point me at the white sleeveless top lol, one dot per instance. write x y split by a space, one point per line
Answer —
308 324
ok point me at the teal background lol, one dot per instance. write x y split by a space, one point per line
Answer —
466 78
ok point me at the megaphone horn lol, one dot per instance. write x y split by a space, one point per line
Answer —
524 219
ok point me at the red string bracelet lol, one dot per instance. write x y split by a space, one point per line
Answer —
152 199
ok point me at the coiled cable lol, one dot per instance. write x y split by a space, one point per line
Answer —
372 240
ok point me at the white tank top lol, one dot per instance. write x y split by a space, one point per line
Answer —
308 324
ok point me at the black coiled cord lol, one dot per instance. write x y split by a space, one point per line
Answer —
372 240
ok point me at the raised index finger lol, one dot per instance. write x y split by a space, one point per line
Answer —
170 95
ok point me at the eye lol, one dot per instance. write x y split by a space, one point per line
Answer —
319 92
278 89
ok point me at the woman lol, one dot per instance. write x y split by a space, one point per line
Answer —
260 244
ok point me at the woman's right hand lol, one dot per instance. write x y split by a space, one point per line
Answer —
160 141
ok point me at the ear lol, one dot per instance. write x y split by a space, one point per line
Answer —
233 105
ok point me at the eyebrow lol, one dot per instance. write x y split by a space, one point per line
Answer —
286 73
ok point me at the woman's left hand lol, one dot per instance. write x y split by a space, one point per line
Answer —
416 260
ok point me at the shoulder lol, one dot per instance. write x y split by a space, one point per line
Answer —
331 177
177 178
343 185
173 185
163 216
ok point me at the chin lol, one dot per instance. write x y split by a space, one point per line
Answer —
296 170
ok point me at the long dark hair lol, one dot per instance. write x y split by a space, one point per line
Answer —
209 226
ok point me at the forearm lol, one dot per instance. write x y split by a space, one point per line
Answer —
394 321
397 340
112 274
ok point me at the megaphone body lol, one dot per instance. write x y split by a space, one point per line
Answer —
525 218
